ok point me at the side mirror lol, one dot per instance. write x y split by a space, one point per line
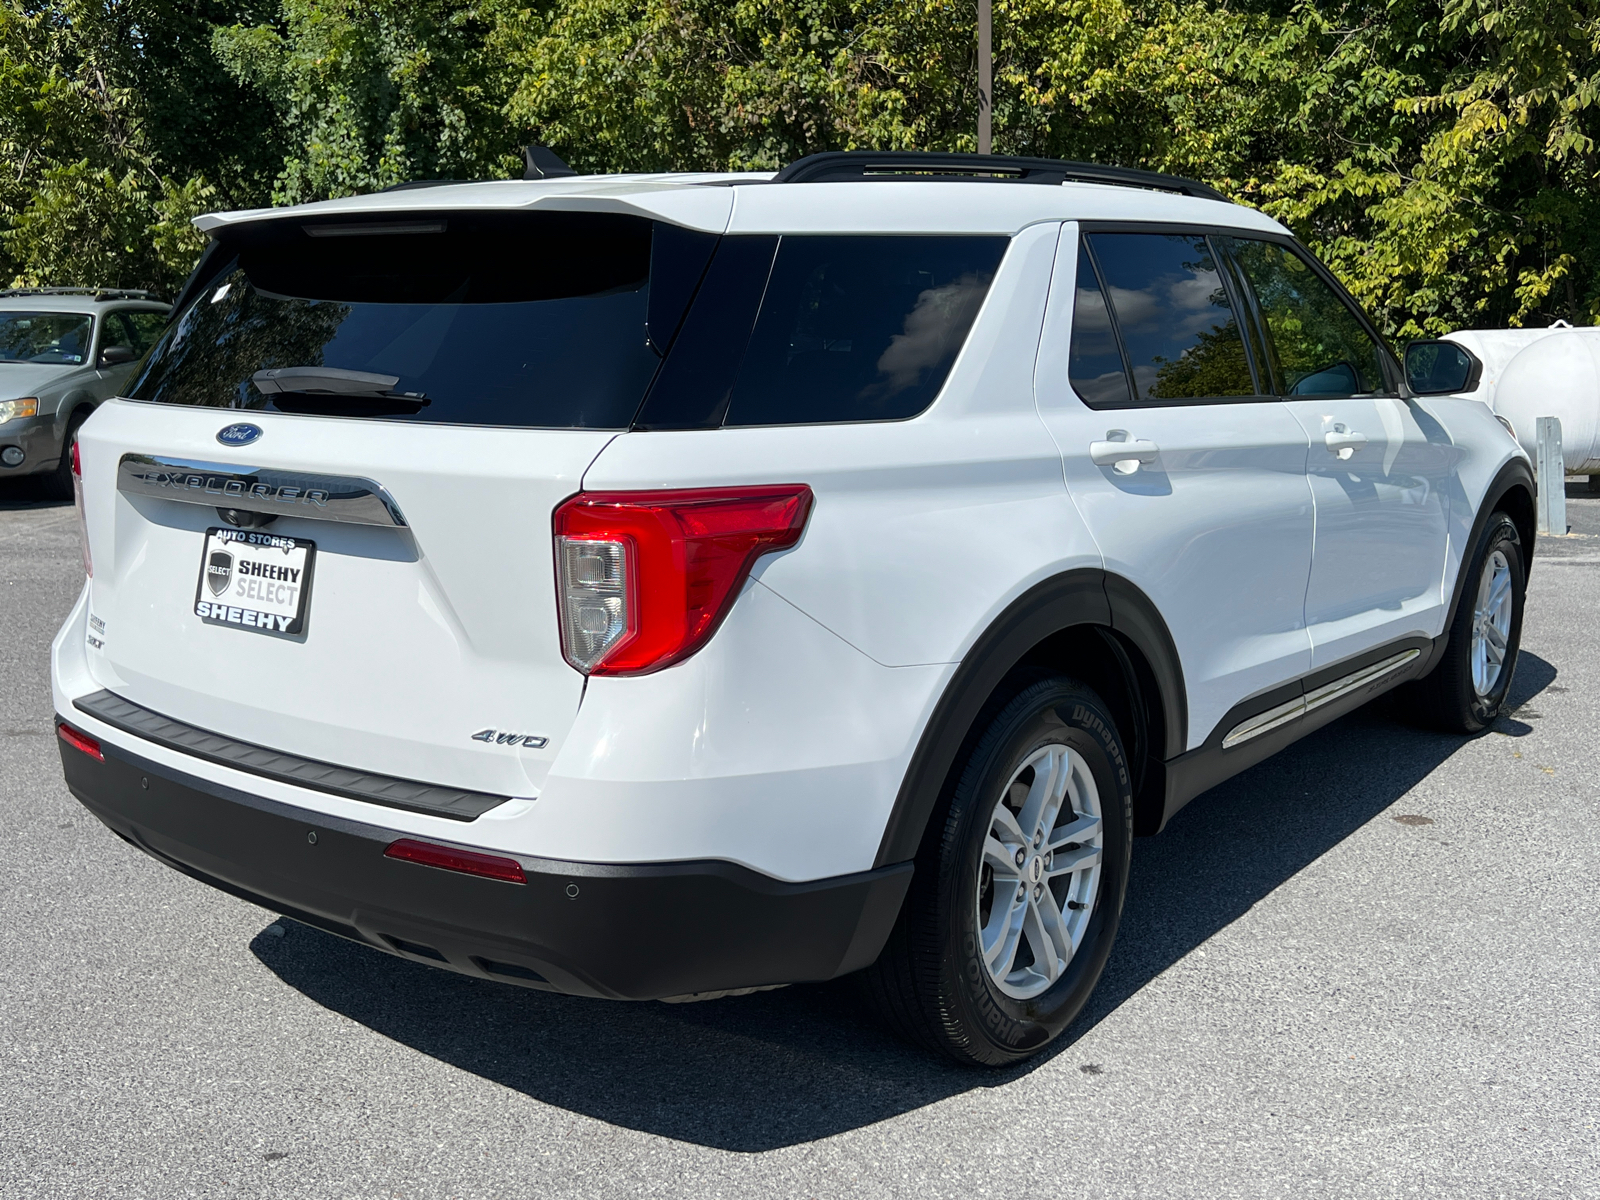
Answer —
1440 368
115 356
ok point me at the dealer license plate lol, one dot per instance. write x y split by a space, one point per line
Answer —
255 580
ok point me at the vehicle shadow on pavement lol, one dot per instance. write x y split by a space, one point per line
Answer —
787 1067
24 494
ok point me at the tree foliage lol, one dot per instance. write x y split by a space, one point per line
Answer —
1439 154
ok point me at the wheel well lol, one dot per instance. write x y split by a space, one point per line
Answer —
1084 624
1119 672
1517 504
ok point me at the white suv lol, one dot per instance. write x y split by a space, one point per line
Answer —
656 586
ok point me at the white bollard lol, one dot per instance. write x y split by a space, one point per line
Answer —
1552 470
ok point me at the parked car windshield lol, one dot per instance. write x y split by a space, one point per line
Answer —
506 319
45 337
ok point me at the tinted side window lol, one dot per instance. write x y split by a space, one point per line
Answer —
1095 366
1316 345
692 390
860 328
146 327
1173 312
116 331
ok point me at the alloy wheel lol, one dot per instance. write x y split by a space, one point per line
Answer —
1491 624
1039 875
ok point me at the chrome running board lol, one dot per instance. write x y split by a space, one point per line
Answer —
1316 698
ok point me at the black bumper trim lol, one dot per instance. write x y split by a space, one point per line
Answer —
408 794
624 931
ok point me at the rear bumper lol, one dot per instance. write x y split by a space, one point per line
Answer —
634 931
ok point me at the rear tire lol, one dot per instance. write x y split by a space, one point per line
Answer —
57 483
1019 884
1466 691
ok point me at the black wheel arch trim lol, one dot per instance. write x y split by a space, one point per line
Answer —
1088 597
1516 473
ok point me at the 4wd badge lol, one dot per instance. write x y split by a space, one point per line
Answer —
495 737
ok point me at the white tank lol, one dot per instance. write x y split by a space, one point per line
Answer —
1533 373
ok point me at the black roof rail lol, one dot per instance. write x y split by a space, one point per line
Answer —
538 162
413 184
97 293
838 166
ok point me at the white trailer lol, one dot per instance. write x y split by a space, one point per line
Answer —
1533 373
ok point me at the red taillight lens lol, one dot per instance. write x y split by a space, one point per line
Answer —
77 499
645 578
79 741
468 862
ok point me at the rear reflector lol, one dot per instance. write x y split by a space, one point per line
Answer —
79 741
468 862
77 501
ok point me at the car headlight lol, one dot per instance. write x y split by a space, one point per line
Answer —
10 410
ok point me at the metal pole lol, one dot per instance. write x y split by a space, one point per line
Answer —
985 74
1552 467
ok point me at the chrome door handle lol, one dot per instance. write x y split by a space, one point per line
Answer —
1128 450
1343 442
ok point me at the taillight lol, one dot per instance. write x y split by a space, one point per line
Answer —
449 858
77 499
644 578
79 741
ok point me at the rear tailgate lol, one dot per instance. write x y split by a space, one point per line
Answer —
416 636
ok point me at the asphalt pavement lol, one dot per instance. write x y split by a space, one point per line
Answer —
1369 968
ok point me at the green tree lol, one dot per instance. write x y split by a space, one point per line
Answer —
1438 154
370 93
104 112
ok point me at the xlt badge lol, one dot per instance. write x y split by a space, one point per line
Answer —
495 737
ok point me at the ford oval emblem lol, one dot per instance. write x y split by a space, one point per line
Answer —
239 435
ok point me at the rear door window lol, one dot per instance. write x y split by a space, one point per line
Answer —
1178 330
501 319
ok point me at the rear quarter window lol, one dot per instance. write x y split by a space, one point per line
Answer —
860 328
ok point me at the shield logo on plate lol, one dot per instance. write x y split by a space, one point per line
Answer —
219 569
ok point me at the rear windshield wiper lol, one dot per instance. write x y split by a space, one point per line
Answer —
366 392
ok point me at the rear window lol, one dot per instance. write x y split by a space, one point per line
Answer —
536 320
